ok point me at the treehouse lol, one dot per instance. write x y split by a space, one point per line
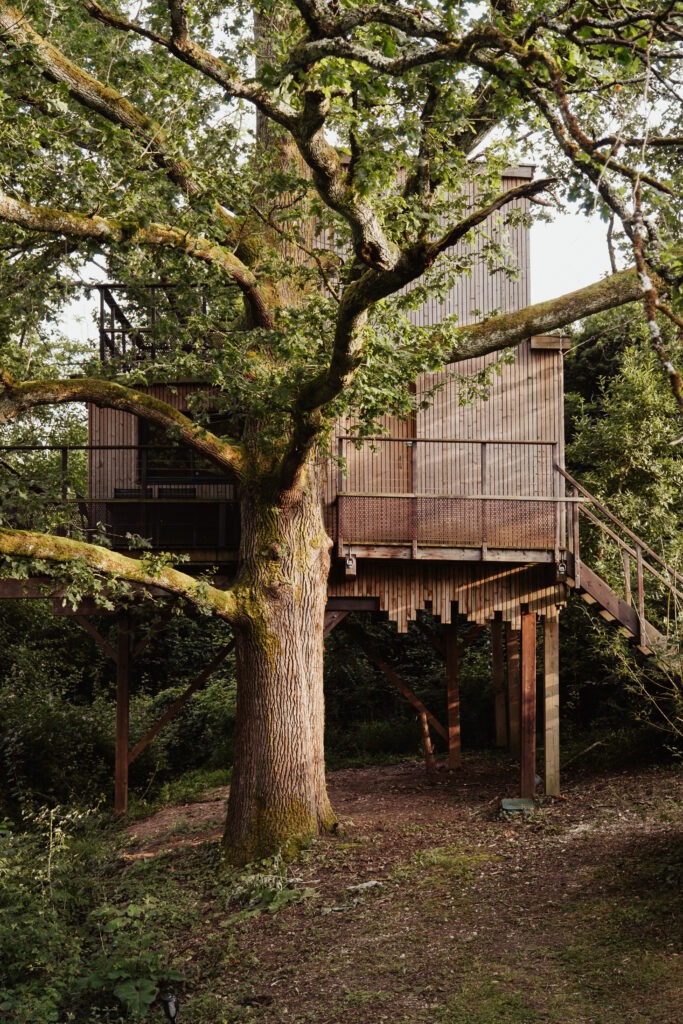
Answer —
464 509
463 502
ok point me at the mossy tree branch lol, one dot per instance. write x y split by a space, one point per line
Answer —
94 95
110 229
17 398
225 604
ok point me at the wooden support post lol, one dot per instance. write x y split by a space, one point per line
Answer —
642 634
122 716
430 760
498 673
514 690
551 673
527 775
453 695
180 702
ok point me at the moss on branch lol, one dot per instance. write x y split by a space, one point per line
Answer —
62 550
17 398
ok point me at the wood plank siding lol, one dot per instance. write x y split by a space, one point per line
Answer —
475 590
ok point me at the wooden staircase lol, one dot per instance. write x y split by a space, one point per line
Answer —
628 609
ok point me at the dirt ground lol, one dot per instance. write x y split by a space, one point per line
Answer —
431 906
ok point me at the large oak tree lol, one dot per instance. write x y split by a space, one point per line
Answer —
317 158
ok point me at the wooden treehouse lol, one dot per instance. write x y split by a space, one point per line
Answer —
465 509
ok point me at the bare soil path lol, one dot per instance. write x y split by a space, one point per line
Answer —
429 906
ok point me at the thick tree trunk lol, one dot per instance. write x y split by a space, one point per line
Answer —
278 799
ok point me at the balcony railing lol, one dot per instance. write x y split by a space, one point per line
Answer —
118 493
458 493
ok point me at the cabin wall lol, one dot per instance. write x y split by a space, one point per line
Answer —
501 444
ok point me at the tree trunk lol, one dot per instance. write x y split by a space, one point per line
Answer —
278 798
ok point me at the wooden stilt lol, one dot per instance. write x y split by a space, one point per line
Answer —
122 716
453 695
498 673
430 760
514 690
527 783
551 665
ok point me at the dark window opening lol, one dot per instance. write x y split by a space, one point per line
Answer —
162 459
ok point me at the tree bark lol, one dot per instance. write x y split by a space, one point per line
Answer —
278 798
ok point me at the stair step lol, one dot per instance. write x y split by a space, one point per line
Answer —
606 616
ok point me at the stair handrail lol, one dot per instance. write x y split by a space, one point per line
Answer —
639 543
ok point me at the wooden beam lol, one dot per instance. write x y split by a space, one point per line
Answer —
394 678
527 775
453 695
179 702
38 588
498 674
430 760
551 689
352 604
514 689
332 620
122 716
88 627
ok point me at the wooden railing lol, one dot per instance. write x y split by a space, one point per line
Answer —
157 492
426 492
634 553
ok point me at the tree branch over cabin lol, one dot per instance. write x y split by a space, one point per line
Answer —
225 604
510 329
20 397
77 225
105 101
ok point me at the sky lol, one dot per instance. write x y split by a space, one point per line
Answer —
567 254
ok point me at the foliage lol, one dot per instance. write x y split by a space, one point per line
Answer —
624 433
69 954
57 708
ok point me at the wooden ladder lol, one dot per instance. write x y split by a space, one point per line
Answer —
628 609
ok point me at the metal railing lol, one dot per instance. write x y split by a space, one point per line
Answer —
451 492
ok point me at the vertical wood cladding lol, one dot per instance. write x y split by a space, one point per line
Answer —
475 590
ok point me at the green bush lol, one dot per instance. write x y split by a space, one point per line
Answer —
70 952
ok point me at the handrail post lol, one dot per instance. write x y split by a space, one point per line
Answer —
484 503
641 594
558 504
576 539
626 559
340 490
340 470
64 469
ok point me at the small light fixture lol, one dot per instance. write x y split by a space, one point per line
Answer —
171 1006
350 565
